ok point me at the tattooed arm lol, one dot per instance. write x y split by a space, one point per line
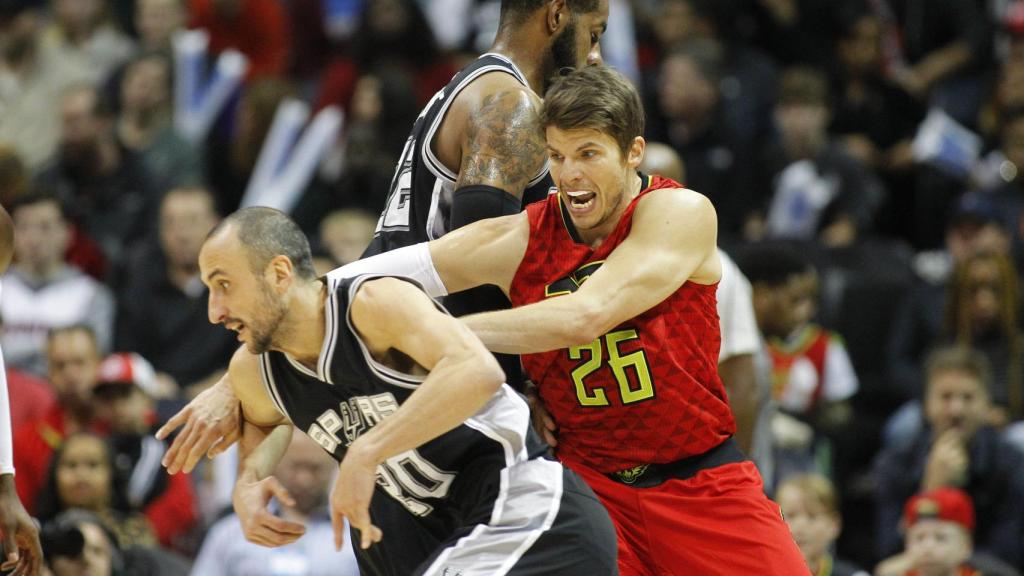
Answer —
503 143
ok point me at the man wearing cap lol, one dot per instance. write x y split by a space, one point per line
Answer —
125 394
938 525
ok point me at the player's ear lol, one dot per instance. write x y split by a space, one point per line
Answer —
558 16
635 154
279 273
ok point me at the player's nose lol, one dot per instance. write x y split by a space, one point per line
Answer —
594 57
215 309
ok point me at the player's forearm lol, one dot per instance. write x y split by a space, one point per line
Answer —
261 452
454 391
553 324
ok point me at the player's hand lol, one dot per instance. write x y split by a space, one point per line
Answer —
543 424
350 497
258 524
211 424
22 552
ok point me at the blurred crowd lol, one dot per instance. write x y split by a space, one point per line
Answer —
865 157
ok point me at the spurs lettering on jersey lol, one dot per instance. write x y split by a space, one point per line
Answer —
406 477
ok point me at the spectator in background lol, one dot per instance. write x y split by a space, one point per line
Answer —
156 22
256 28
83 33
231 158
812 190
690 118
106 189
43 292
145 124
30 397
873 119
344 234
938 52
77 542
162 304
34 77
73 358
306 473
1007 192
938 526
747 85
1007 94
125 394
975 226
14 176
812 376
956 449
393 34
83 476
811 509
382 108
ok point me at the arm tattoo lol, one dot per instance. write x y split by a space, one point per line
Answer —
504 143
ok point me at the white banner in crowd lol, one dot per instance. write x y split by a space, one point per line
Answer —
290 155
198 100
945 144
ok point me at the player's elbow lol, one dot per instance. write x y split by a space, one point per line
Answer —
589 323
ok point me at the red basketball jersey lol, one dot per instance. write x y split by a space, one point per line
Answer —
646 392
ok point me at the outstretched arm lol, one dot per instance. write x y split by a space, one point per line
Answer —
392 314
672 241
266 434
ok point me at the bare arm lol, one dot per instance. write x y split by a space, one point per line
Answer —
503 141
392 314
672 240
266 434
485 252
739 376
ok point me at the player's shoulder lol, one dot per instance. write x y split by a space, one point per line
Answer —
498 92
675 202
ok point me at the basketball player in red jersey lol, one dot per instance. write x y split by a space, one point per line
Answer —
613 283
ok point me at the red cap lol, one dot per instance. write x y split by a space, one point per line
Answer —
128 368
948 504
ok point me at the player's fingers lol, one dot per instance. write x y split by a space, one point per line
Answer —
224 443
185 441
338 524
174 422
176 446
280 492
369 536
10 546
202 444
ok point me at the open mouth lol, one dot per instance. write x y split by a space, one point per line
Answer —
581 199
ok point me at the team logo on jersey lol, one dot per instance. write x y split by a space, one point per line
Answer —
631 475
572 282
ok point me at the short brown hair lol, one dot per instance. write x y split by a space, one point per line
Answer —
803 85
814 487
595 97
958 359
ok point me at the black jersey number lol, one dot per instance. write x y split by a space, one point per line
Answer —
631 389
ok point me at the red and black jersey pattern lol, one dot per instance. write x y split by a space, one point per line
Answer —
648 391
